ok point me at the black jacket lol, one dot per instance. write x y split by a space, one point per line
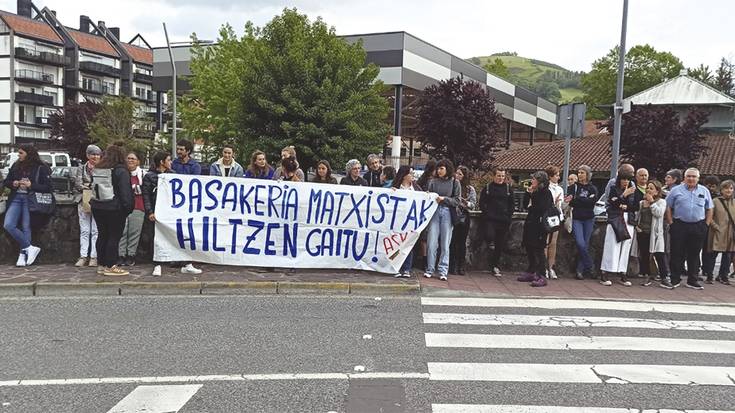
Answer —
42 184
615 199
496 203
373 178
150 191
347 180
534 234
124 199
584 198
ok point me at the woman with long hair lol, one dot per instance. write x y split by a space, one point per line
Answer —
27 175
323 173
581 197
259 168
467 202
621 201
289 170
650 232
134 222
439 236
226 165
404 181
161 164
280 173
112 202
538 199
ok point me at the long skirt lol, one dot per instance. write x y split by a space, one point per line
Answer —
615 254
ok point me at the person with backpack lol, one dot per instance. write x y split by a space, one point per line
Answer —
496 208
112 202
161 164
539 201
82 177
581 198
134 223
27 177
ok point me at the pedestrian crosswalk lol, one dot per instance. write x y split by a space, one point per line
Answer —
496 353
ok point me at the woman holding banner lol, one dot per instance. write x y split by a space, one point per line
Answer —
259 168
439 235
161 164
324 174
404 181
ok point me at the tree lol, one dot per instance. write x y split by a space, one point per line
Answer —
70 128
115 122
644 67
702 73
662 138
458 120
724 78
498 68
292 82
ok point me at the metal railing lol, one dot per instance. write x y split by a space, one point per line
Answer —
99 68
34 98
43 57
34 75
142 77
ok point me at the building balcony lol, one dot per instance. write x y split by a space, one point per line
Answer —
34 99
34 76
142 78
97 87
41 57
98 68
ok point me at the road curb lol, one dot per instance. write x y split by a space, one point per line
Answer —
138 288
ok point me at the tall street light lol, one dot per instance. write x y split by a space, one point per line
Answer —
619 95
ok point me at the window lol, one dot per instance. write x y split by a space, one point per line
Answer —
417 152
60 160
54 95
26 114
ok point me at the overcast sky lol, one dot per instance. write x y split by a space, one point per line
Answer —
571 33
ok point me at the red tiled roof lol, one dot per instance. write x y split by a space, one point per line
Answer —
93 43
596 152
31 28
139 54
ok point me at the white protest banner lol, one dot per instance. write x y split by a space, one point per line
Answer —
250 222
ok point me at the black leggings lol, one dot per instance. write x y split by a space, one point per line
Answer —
496 233
644 257
536 260
110 225
458 246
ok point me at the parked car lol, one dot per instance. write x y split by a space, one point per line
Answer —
53 159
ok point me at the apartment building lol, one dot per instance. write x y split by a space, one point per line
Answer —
45 64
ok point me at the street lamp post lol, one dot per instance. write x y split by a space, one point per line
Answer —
618 110
173 82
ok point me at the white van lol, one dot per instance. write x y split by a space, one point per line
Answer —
53 159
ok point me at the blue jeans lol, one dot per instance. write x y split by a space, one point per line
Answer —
407 264
18 213
439 237
582 231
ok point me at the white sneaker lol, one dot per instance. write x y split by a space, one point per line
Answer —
190 269
552 274
496 272
397 275
22 258
32 254
427 274
606 283
406 274
156 271
443 277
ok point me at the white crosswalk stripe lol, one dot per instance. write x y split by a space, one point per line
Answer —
451 330
156 399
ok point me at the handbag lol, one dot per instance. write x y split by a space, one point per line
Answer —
86 197
552 220
457 214
620 228
568 219
729 216
41 202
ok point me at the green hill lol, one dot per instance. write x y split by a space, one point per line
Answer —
549 80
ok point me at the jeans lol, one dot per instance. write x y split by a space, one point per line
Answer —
497 234
87 234
110 225
131 233
686 245
458 246
17 213
407 264
582 232
439 237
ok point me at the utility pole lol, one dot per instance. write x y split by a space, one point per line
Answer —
173 82
618 109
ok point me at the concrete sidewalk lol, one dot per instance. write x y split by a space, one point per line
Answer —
67 280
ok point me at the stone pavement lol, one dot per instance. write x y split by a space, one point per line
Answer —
65 279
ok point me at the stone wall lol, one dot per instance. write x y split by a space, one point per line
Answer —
59 241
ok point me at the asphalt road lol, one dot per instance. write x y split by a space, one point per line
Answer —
300 354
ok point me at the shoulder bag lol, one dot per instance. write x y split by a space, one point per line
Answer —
41 202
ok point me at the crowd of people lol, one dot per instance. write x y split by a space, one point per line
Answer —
667 226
